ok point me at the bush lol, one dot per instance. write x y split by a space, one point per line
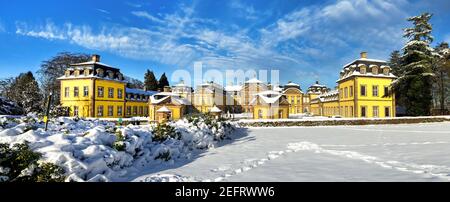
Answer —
163 131
119 144
19 164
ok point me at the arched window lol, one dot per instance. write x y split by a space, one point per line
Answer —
386 71
362 69
375 70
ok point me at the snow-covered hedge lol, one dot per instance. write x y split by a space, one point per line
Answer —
101 151
340 121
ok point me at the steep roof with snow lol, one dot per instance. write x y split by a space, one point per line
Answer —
254 80
163 109
140 91
215 110
233 88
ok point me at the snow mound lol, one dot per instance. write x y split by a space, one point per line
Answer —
99 151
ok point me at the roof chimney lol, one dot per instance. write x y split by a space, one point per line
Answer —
317 82
95 58
364 55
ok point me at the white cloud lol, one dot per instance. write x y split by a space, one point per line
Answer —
48 31
146 15
311 39
103 11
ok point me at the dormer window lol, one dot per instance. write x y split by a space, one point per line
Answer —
100 72
77 72
86 72
67 73
375 70
111 74
386 71
362 69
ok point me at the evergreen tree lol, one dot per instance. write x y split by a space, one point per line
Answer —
163 81
26 93
150 81
395 63
414 85
441 69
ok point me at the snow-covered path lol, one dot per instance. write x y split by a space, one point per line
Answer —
418 152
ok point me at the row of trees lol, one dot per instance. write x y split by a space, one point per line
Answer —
423 71
28 94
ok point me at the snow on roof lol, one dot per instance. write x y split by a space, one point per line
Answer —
292 84
269 92
365 60
254 80
91 63
368 74
215 109
233 88
140 92
264 96
163 109
277 88
166 94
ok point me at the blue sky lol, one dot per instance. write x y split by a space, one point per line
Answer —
306 40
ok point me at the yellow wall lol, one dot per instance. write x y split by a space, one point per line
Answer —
270 112
295 99
369 101
330 108
177 111
137 108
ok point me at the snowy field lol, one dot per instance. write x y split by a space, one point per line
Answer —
406 152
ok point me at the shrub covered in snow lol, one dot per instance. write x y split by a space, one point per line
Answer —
19 164
102 151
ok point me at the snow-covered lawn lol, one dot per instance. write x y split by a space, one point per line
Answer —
406 152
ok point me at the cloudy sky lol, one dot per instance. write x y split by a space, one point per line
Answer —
306 40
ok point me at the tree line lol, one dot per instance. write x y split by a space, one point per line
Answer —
422 87
31 95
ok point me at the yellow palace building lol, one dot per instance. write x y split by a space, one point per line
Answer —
94 89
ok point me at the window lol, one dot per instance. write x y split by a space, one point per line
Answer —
119 110
85 91
351 91
341 95
292 100
260 114
363 90
363 111
386 71
387 111
75 111
346 92
386 90
375 91
362 70
145 111
110 111
134 110
141 110
66 92
298 100
128 110
100 91
374 70
75 91
346 111
375 111
351 111
100 111
119 93
110 92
